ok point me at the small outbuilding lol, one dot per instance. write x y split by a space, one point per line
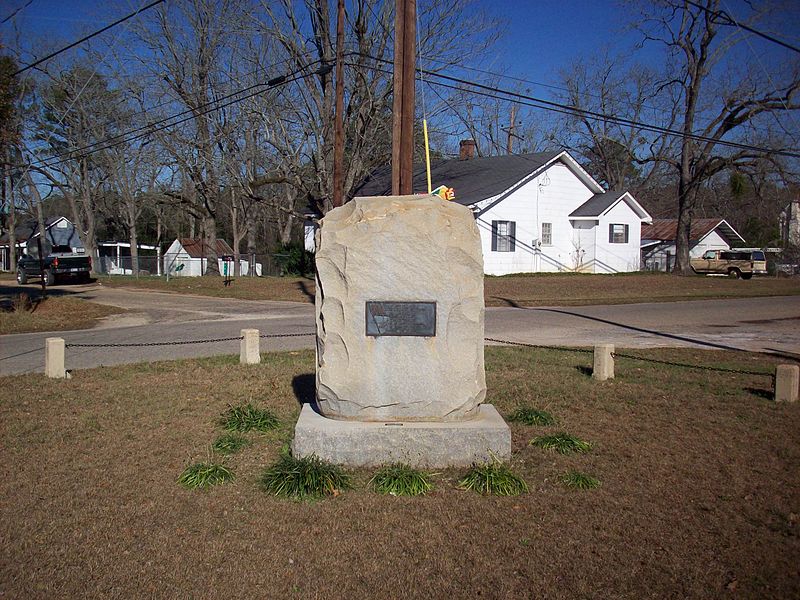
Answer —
188 257
658 241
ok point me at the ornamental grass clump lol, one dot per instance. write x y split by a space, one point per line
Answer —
246 417
531 416
563 443
204 475
579 481
401 480
494 479
230 443
309 477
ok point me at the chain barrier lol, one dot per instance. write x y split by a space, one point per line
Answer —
688 366
523 344
280 335
146 344
182 343
634 357
495 340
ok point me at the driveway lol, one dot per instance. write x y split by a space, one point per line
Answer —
756 324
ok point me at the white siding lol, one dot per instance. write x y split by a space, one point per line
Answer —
309 230
661 257
549 198
618 258
712 241
584 243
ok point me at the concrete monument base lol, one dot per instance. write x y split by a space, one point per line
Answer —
420 444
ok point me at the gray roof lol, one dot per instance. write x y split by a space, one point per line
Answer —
473 180
596 205
28 229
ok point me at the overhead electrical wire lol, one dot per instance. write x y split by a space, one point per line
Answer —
527 100
86 38
74 101
15 11
772 83
173 99
483 90
725 18
163 124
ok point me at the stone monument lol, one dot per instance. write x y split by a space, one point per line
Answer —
399 312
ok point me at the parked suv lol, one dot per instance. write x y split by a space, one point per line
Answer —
733 263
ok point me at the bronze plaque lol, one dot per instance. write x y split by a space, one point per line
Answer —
401 318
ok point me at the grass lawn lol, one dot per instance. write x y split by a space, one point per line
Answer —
699 491
56 313
565 289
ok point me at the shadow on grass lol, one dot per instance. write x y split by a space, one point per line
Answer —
10 291
760 392
654 332
304 388
584 370
303 287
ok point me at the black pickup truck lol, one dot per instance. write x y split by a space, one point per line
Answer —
60 263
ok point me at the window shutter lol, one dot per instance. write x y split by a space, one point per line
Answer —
610 234
512 233
494 236
626 234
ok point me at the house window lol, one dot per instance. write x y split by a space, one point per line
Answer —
547 234
503 236
617 233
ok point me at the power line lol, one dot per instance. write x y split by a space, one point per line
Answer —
171 100
150 128
724 18
492 91
88 37
14 12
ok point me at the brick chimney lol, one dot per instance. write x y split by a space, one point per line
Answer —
466 149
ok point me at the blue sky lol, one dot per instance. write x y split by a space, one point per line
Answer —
544 36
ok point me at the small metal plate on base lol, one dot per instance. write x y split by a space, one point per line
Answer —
401 318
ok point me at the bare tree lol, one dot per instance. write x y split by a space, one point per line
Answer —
715 103
601 90
450 33
78 109
194 44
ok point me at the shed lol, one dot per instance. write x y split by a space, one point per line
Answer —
188 257
658 240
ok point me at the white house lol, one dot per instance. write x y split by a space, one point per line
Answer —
188 257
658 240
536 212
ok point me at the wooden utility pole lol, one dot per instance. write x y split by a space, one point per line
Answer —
510 149
405 27
338 131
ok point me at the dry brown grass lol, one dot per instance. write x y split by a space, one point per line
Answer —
291 289
56 313
700 490
572 289
515 290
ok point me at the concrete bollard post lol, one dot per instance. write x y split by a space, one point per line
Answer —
787 381
603 362
250 353
54 358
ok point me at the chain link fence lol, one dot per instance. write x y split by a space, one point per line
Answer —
172 265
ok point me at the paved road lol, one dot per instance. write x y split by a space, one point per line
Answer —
761 324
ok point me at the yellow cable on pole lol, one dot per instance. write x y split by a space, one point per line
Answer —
427 153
